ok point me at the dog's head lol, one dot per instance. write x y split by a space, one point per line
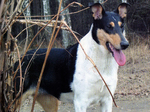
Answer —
108 28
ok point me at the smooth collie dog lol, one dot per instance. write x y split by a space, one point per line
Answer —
69 75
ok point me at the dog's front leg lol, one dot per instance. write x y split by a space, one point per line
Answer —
106 105
80 104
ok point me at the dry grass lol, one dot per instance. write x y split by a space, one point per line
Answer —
134 77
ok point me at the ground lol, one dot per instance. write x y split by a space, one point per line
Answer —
133 89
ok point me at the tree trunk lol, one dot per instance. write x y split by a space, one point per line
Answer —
66 36
27 12
46 13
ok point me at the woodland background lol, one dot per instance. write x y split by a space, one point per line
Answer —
137 21
21 20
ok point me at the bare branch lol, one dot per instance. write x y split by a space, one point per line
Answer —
47 53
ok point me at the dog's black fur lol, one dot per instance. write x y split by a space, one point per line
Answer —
58 73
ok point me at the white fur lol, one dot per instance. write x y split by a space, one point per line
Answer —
87 85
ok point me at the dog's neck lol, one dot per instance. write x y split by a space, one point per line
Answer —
90 44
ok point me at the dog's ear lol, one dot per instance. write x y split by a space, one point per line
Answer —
122 9
97 10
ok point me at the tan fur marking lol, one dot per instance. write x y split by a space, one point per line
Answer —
48 102
104 37
119 23
112 24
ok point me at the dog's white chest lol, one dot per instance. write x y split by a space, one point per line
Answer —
87 84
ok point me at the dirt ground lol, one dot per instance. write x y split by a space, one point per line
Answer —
141 105
133 89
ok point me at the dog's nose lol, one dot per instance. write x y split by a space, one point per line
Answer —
124 45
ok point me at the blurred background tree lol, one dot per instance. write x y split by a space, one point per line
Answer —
137 21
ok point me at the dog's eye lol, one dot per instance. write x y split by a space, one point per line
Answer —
109 26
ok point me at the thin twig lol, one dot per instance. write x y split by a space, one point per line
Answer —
47 54
72 4
4 30
20 90
63 10
39 23
27 68
3 23
27 34
21 87
33 40
24 30
1 7
13 15
56 35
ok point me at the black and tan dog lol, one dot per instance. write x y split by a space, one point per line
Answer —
71 76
